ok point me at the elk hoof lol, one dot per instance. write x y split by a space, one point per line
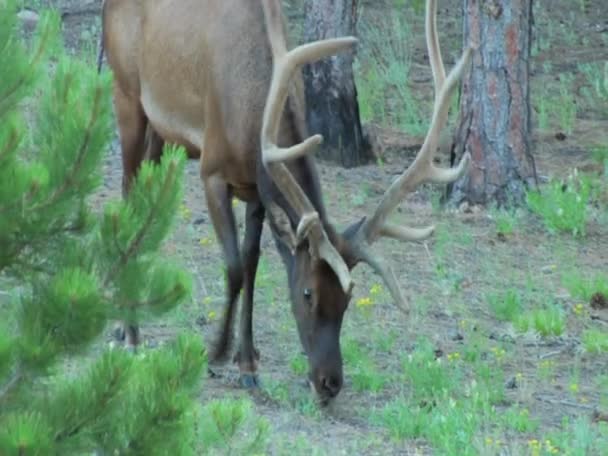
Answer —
250 381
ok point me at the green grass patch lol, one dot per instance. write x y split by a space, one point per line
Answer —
505 306
563 205
549 320
581 287
518 419
361 369
595 341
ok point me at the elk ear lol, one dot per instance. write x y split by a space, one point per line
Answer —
283 228
346 245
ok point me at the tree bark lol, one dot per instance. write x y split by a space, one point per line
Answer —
494 124
331 94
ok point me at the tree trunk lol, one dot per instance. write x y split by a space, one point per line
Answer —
331 95
494 124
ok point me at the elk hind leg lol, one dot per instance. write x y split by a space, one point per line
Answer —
247 356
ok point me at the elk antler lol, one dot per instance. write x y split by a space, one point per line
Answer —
421 170
284 65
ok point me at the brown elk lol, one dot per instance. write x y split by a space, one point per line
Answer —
216 77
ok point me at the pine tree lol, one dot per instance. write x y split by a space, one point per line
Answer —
67 269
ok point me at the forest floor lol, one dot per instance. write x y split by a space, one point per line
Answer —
504 352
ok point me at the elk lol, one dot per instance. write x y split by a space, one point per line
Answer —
215 76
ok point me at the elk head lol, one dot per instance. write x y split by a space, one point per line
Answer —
320 280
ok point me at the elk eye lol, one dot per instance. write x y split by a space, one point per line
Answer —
307 293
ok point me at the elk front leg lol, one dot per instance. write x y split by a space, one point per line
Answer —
219 204
247 356
132 124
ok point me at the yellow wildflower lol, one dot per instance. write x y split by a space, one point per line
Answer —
204 242
579 309
375 290
185 212
453 356
364 302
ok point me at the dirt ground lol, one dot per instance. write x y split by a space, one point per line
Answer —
447 279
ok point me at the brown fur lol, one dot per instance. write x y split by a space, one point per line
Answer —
197 73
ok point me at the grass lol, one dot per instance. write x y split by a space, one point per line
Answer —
563 205
384 92
595 341
556 106
549 320
505 306
428 376
506 222
581 287
361 368
519 419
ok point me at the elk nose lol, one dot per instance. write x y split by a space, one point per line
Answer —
331 384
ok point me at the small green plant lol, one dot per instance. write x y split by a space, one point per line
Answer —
600 155
585 287
402 419
367 377
361 369
299 364
556 105
229 426
566 106
429 376
382 84
581 437
597 77
595 341
506 306
490 381
563 205
506 222
519 420
549 320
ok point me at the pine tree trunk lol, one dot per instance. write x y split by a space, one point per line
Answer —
331 95
494 123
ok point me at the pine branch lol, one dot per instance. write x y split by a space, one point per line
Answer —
10 146
115 236
26 74
103 402
69 180
14 381
153 302
139 237
13 258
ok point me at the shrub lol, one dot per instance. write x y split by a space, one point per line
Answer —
66 270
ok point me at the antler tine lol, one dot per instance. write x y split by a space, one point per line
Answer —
433 47
422 169
284 65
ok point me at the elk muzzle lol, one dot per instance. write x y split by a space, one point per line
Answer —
326 375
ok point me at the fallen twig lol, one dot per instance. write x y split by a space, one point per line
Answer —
564 402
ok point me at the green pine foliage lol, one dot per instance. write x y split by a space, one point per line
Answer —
66 270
